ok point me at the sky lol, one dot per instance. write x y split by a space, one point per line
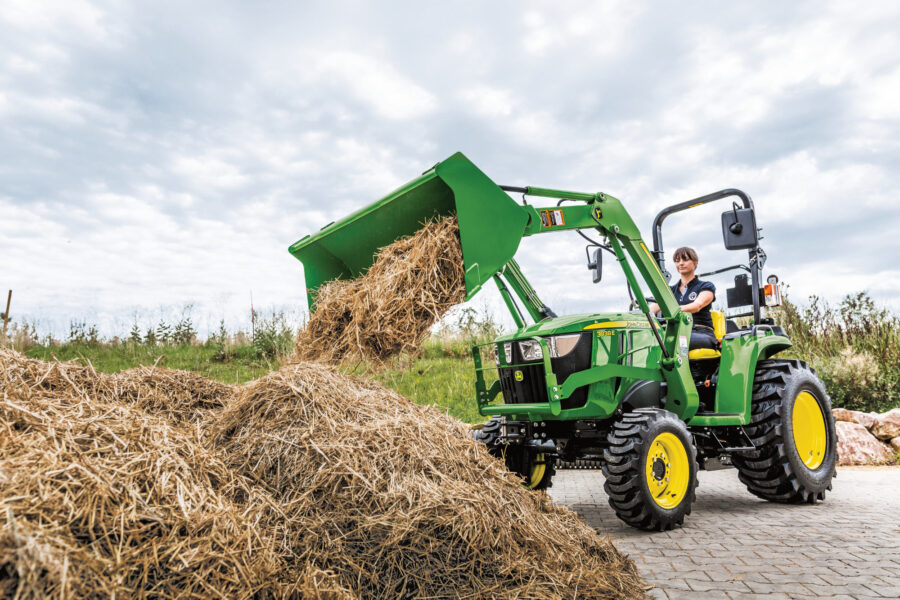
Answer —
158 155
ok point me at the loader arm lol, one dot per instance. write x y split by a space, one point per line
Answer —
491 226
607 215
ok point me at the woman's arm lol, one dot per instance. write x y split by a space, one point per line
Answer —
703 298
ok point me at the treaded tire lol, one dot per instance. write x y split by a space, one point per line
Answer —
517 459
521 461
625 469
775 470
489 435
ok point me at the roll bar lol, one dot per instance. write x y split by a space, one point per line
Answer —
659 253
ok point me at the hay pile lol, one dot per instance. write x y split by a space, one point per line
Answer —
307 484
100 499
396 501
389 310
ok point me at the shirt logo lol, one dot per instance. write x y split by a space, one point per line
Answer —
692 296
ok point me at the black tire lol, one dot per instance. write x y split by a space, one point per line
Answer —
536 469
775 471
489 435
625 463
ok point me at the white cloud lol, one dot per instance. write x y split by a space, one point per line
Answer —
43 16
209 172
376 83
510 116
152 160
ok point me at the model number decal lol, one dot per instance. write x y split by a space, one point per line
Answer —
552 218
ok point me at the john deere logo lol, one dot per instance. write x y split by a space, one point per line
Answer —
598 214
519 376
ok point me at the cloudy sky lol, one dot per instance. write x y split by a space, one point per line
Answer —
154 154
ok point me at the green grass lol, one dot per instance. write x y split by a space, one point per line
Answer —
241 364
446 382
444 376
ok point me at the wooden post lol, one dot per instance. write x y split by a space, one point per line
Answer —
6 314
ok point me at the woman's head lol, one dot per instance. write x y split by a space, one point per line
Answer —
685 260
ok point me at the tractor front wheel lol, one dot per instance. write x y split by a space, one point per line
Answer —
536 468
793 430
650 466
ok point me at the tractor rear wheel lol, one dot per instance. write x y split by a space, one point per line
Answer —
793 430
650 468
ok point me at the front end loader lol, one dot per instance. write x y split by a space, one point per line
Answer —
621 388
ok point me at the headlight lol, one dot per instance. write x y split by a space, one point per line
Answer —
560 345
507 352
531 350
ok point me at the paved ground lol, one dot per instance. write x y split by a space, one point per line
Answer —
736 546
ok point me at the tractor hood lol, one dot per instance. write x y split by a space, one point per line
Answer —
577 323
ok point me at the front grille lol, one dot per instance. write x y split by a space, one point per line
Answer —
530 389
533 386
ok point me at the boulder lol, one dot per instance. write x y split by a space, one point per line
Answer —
842 414
895 444
867 420
856 446
887 425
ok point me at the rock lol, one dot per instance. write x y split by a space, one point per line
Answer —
895 444
842 414
856 446
887 425
867 420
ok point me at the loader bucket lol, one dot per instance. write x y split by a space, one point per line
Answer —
491 226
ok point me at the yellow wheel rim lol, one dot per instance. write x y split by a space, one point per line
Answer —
668 470
537 472
810 435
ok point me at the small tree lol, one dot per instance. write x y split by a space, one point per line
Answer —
164 333
184 332
135 335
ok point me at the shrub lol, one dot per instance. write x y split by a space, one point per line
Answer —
854 346
82 333
462 329
273 337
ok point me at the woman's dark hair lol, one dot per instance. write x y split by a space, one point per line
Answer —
685 253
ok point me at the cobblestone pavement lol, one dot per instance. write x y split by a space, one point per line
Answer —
735 546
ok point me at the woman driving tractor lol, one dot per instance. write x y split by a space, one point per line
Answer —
694 296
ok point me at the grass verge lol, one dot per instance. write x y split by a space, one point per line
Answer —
242 363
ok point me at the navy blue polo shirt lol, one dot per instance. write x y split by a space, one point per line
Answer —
691 291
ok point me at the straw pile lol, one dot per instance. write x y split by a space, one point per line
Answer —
389 310
307 484
396 501
100 499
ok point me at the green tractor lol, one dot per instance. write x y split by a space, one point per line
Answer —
621 389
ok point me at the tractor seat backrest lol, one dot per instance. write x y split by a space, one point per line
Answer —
718 320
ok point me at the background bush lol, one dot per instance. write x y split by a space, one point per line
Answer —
854 346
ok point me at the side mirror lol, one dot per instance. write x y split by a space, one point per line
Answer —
739 228
595 264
